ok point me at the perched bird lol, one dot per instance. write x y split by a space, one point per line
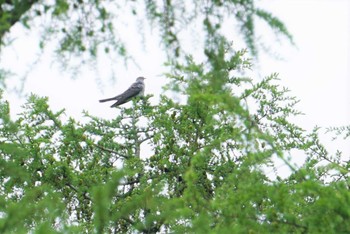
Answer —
136 89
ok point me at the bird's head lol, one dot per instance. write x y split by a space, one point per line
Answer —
141 78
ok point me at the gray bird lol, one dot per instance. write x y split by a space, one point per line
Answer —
136 89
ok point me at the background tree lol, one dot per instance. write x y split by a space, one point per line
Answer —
210 162
82 30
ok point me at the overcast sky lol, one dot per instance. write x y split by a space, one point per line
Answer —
316 70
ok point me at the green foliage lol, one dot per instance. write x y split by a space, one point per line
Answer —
204 172
83 29
206 165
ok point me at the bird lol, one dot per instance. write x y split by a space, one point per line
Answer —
135 90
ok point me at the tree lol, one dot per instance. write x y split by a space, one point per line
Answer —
205 173
83 30
209 164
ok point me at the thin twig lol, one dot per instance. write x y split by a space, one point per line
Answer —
112 151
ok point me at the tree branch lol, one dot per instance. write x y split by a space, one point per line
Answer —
85 195
112 151
13 16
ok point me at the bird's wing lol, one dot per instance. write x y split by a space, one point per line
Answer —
134 90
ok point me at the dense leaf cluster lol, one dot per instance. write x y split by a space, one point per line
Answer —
207 164
198 166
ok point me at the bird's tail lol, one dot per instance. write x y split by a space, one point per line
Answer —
108 99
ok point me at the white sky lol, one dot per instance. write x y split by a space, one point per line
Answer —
317 71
